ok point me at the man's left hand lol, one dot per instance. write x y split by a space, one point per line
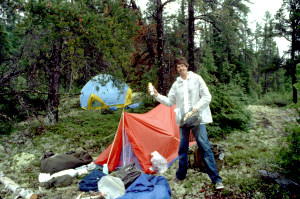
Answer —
189 113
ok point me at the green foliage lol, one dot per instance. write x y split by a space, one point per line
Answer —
208 66
229 101
92 130
85 37
297 85
88 33
228 110
83 128
289 155
273 191
141 84
5 126
148 103
5 44
275 99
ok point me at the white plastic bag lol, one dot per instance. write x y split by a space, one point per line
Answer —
111 187
44 177
159 163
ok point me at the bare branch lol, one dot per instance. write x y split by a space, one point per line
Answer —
202 17
8 76
34 91
7 118
163 5
22 92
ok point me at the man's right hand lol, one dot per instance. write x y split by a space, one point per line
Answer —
154 90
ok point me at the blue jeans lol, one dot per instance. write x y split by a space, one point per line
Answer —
207 156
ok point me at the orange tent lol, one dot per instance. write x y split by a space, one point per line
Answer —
143 134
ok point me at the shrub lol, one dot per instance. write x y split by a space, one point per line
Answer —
228 108
275 99
289 156
5 127
273 191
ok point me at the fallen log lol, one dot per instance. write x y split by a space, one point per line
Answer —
16 189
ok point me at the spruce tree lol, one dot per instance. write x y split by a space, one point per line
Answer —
288 26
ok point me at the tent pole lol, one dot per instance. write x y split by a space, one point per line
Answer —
123 133
113 143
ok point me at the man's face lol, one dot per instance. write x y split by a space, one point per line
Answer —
182 69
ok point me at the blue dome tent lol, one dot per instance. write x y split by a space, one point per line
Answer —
104 91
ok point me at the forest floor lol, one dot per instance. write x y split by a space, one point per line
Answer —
245 154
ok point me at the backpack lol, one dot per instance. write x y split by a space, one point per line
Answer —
195 160
128 174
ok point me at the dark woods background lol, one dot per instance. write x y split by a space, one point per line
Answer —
50 49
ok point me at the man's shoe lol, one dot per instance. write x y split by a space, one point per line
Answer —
219 185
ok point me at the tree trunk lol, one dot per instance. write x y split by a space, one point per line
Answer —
183 11
191 35
265 90
54 83
293 60
182 26
162 69
160 48
150 47
134 6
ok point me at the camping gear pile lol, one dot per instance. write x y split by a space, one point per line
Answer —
127 182
60 169
144 145
128 174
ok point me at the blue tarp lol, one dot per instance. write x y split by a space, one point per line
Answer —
113 108
148 187
90 182
136 105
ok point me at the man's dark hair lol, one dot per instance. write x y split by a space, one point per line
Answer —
180 60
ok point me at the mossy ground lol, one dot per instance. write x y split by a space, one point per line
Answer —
93 131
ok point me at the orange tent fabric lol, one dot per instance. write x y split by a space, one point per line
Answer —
148 132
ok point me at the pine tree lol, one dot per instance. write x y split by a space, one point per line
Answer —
289 28
62 38
268 54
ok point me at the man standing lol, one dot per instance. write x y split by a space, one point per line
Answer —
191 95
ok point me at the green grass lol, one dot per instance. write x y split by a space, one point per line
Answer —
248 152
91 130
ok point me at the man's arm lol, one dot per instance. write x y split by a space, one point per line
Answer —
169 100
205 96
